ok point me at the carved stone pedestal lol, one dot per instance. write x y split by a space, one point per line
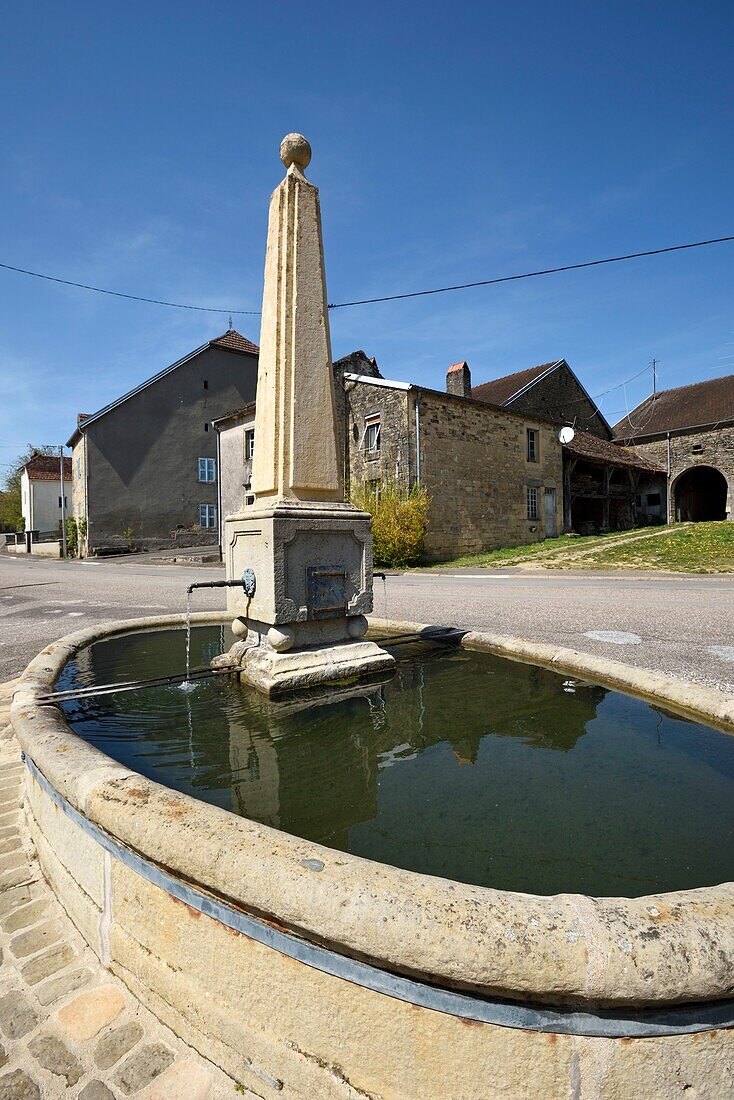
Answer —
304 623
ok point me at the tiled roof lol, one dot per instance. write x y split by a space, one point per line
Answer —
585 445
457 366
240 412
232 339
502 389
46 468
701 403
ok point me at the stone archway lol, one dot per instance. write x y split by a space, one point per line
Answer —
700 494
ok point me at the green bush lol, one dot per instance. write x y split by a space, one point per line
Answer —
76 529
399 521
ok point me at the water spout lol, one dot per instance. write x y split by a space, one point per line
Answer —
246 582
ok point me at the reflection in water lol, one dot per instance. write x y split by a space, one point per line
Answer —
458 764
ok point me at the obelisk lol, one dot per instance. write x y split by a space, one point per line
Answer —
301 619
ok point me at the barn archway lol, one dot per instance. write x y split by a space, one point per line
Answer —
700 494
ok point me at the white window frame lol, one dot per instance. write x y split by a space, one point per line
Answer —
207 470
207 516
249 444
372 433
532 503
531 444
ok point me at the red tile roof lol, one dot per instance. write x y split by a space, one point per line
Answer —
458 366
232 339
502 389
46 468
701 403
594 449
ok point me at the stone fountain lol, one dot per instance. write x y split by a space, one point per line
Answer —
303 553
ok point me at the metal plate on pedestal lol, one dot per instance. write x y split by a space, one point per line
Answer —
327 592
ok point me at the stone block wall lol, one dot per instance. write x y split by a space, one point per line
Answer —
474 466
704 447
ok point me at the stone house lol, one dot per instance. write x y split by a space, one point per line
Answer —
689 431
144 468
41 495
606 487
489 456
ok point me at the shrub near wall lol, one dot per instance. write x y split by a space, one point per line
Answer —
399 521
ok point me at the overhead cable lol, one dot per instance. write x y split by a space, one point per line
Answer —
385 298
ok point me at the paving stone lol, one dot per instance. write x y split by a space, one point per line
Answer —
3 1057
51 1053
17 877
16 1015
9 803
111 1047
9 830
35 939
9 817
186 1078
24 916
11 899
142 1067
18 1086
63 985
50 962
95 1090
10 844
12 860
87 1014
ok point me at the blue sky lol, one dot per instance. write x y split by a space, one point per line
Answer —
452 142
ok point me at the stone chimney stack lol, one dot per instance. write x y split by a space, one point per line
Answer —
458 380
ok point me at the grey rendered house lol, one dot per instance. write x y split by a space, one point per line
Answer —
144 468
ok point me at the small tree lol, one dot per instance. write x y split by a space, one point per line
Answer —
399 521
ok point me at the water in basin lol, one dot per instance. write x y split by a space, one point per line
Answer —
461 764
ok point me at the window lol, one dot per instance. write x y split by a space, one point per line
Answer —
206 384
66 505
206 426
207 470
654 498
532 503
372 435
697 449
207 515
532 439
249 444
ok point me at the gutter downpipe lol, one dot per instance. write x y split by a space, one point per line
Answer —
63 504
668 485
220 518
417 441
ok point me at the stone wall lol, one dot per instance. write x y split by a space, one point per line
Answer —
474 466
559 397
705 447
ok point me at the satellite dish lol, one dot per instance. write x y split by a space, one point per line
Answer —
566 435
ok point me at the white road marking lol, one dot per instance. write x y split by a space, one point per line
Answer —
616 637
726 652
74 614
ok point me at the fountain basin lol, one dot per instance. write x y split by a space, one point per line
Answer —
283 958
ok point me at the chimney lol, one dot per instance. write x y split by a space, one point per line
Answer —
458 380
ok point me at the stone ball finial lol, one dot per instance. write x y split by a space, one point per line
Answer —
294 149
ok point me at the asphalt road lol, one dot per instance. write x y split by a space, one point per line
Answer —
682 625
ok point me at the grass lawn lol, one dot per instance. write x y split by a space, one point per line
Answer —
488 559
697 548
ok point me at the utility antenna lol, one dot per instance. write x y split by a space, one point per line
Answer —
654 376
230 323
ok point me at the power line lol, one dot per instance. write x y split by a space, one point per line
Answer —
532 274
372 301
132 297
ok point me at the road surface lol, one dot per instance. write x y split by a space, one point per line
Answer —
682 625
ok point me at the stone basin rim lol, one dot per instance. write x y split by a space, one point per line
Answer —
566 949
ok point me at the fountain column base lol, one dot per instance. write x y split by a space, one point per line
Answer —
304 622
276 673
